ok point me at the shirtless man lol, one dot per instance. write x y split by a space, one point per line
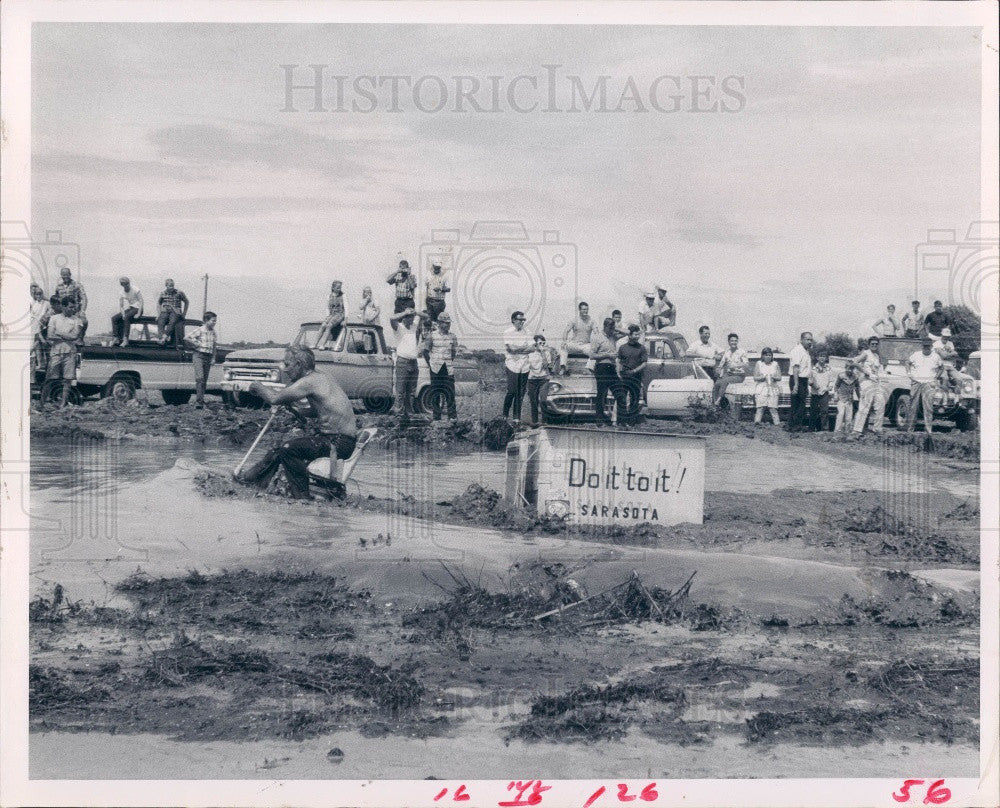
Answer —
336 427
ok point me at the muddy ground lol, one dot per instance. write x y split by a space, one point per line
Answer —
871 607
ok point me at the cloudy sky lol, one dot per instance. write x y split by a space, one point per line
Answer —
166 150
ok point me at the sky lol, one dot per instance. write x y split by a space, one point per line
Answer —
168 150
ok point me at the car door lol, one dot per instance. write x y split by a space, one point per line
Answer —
356 362
673 391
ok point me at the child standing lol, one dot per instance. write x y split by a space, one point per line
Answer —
541 362
820 385
767 374
844 387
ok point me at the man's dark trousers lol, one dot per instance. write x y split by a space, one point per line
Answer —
294 456
800 398
607 379
443 382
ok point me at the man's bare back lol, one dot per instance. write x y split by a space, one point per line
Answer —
329 402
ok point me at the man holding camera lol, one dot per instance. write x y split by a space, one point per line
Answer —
404 282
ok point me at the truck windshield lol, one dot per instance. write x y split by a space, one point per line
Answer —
973 367
307 335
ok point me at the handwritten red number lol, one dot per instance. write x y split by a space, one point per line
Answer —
937 793
904 792
594 797
460 795
649 793
623 795
534 798
441 793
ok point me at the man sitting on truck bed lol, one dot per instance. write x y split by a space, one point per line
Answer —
336 428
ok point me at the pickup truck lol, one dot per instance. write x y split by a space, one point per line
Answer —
115 372
958 403
357 359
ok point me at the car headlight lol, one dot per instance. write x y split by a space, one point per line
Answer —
274 375
553 387
968 386
227 375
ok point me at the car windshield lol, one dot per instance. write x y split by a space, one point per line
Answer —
973 368
898 350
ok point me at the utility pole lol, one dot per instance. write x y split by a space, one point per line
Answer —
204 299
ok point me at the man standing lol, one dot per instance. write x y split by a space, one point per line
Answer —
577 336
369 308
541 362
924 368
129 307
604 355
203 340
666 312
404 282
733 367
436 288
936 320
705 351
889 324
632 359
517 345
406 326
872 394
647 314
67 287
821 381
336 426
440 349
65 330
800 361
173 306
913 321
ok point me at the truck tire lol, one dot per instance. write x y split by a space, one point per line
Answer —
379 405
176 398
51 393
901 411
966 421
120 388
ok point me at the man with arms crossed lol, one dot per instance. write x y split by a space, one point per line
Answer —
336 427
924 368
800 361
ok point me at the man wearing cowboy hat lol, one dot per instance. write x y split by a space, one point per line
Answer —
666 315
945 348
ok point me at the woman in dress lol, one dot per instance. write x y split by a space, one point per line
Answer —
767 374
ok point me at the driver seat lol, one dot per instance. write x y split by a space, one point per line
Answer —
333 474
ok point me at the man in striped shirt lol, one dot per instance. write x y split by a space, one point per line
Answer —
439 349
404 282
173 305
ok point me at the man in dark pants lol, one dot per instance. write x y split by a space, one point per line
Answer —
173 305
406 327
440 349
518 345
130 307
336 427
800 361
632 358
404 282
604 354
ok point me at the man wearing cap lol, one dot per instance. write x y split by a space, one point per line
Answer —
666 314
129 307
173 306
945 348
439 349
647 314
936 320
404 282
913 321
924 368
436 288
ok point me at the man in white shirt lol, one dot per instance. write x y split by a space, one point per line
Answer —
872 398
800 362
647 314
129 307
666 315
705 351
577 336
924 368
406 327
518 345
913 321
945 348
40 311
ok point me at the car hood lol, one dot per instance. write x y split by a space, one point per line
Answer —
276 355
571 384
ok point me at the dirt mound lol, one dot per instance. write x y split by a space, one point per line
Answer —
484 506
901 601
